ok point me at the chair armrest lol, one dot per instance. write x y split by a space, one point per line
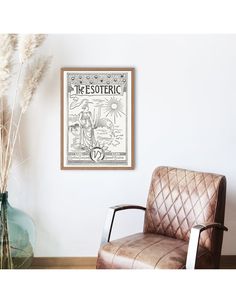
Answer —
194 241
111 216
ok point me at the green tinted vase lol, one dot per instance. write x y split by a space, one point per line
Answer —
17 236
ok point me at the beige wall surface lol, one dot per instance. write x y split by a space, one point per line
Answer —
185 109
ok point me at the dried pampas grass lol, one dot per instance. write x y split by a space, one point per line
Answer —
33 76
34 71
14 40
5 115
28 44
7 47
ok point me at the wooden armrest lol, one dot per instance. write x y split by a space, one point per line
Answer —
194 241
204 226
110 219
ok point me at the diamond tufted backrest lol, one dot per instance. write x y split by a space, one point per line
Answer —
179 199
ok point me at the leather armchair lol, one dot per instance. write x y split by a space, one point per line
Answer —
183 224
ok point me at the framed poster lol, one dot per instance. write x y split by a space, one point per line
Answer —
97 118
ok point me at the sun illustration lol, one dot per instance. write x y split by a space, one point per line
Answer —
114 108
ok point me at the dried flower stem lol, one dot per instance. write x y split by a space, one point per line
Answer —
1 144
27 46
9 158
4 126
12 115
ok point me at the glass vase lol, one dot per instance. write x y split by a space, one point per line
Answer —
17 236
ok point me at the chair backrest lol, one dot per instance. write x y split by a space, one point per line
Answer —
179 199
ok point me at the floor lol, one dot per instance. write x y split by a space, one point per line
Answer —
64 263
227 262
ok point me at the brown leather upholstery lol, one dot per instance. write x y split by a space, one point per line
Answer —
149 251
178 199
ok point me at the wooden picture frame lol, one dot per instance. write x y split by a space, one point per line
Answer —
97 118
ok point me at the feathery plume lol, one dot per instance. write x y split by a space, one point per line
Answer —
6 52
14 40
10 119
28 44
33 76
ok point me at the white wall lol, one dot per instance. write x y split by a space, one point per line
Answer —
185 109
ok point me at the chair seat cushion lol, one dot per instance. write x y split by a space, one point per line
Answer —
149 251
